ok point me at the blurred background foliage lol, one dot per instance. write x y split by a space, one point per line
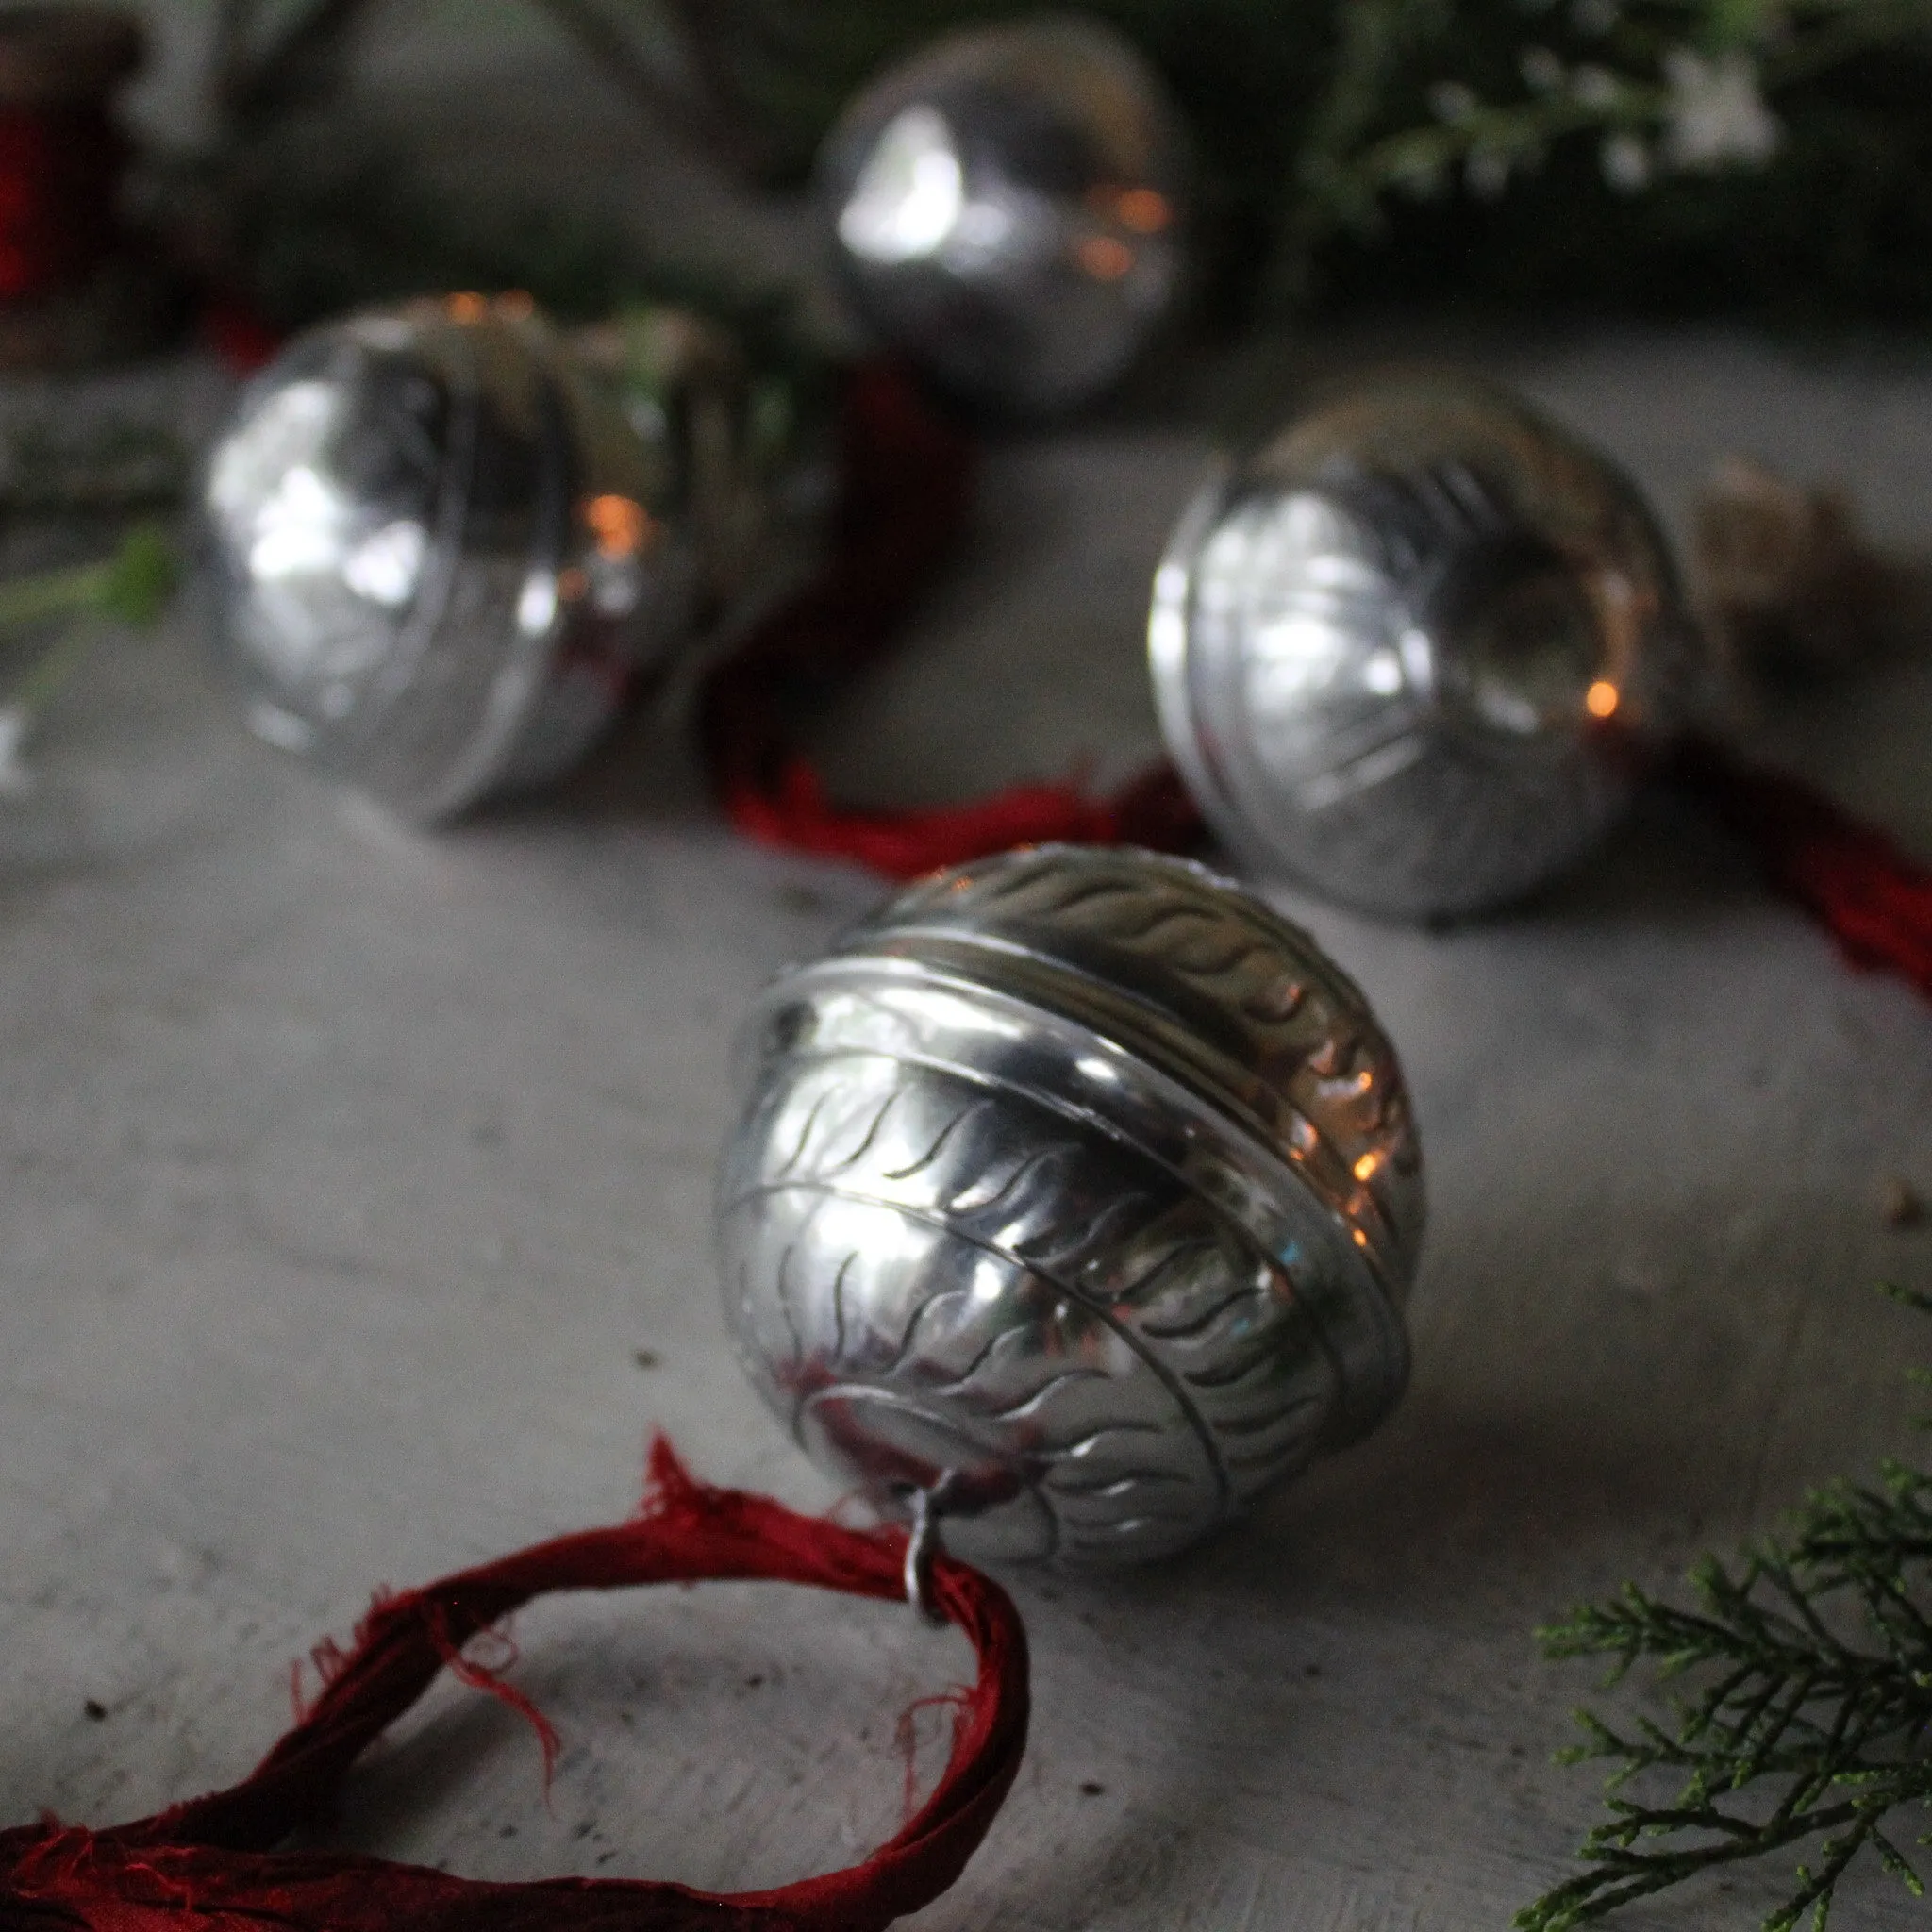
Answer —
1767 159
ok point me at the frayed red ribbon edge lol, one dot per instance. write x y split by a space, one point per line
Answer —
1874 898
211 1863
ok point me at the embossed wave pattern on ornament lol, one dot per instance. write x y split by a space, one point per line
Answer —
1056 1185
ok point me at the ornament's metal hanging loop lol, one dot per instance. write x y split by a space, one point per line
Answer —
923 1544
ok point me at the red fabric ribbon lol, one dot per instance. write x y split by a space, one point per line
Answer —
61 170
907 486
1855 881
210 1865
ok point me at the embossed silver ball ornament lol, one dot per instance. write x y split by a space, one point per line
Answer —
434 552
1006 210
1076 1187
1402 651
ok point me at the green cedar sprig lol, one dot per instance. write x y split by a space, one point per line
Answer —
1613 85
131 586
1812 1667
134 587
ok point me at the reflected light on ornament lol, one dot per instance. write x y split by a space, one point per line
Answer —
1105 258
291 428
911 193
1382 674
297 527
537 606
1145 210
620 524
386 567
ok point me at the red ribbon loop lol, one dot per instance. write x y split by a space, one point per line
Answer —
906 486
210 1865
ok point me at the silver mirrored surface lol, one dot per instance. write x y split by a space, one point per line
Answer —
1080 1176
1403 651
1007 209
434 553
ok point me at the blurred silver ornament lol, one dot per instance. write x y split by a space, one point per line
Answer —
1008 210
1402 650
434 552
1075 1188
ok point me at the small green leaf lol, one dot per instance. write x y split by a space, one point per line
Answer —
141 578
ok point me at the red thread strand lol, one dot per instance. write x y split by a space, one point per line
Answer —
492 1680
1872 897
211 1865
907 486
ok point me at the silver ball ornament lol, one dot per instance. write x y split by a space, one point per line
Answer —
434 552
1079 1188
1402 650
1006 210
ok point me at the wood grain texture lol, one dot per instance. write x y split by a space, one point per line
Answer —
346 1170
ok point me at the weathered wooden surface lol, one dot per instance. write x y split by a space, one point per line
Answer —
347 1169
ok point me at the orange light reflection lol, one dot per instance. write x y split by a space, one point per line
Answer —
1145 210
1104 257
620 524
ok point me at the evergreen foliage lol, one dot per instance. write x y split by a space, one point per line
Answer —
1806 1725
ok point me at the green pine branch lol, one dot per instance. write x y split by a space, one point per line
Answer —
1805 1718
133 587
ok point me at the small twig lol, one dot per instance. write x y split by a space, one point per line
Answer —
265 82
234 31
701 123
720 40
